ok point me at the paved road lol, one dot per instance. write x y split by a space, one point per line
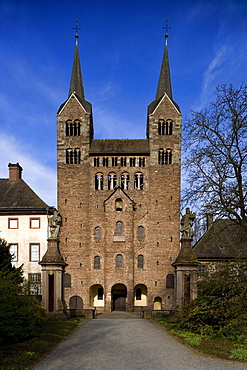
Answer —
125 342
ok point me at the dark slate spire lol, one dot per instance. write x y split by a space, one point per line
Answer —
76 85
164 84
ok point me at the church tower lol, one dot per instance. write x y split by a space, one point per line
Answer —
119 201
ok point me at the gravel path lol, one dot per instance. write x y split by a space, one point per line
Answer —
127 344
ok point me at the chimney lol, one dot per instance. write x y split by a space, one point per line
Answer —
15 171
210 220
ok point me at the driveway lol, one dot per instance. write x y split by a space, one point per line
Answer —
123 341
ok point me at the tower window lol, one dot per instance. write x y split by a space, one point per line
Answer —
139 181
165 127
119 228
140 232
105 161
96 262
170 281
168 156
96 161
125 181
97 233
77 156
132 161
114 161
73 128
142 162
119 261
73 156
98 181
112 181
119 205
140 261
161 156
123 161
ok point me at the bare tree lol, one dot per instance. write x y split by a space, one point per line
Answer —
215 156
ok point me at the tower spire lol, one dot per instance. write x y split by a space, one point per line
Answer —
164 83
76 84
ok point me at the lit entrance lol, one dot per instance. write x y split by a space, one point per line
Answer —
118 297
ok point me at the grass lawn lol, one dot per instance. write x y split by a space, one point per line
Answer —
225 348
26 354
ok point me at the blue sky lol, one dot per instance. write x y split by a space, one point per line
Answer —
121 48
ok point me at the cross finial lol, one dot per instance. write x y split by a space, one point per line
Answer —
166 28
77 29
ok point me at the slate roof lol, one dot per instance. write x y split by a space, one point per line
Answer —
223 240
119 146
18 196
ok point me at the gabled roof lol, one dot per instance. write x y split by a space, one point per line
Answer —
225 239
84 103
119 190
18 196
119 146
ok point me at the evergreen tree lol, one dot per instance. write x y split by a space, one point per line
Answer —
19 314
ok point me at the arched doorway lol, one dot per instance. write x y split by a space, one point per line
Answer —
118 297
97 295
140 295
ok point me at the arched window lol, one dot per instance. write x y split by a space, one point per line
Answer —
77 128
67 280
168 156
140 232
119 228
97 262
100 293
77 156
139 181
73 128
168 127
112 181
170 281
138 294
161 156
119 261
125 181
140 261
118 204
97 233
99 181
69 156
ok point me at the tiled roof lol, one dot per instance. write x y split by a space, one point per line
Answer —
16 195
223 240
119 146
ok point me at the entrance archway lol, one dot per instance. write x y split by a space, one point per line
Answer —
140 295
157 303
118 297
97 295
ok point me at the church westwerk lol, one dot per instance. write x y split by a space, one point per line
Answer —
119 200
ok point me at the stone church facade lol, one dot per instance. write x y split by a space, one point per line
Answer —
120 204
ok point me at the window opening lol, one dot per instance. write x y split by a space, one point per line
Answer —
138 181
140 261
119 228
132 161
97 262
96 161
112 181
98 181
138 294
123 161
119 261
105 161
97 233
142 162
125 181
119 205
140 232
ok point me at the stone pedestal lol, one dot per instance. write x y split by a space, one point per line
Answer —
53 266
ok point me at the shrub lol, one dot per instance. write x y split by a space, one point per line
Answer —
238 354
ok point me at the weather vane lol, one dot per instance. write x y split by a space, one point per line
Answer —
166 28
77 29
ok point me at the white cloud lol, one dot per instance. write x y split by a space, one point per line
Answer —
41 178
209 77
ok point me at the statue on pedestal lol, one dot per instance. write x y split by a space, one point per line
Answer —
187 223
54 223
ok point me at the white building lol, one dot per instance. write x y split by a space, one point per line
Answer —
24 225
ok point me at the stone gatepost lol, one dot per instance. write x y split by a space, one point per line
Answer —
186 264
53 266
